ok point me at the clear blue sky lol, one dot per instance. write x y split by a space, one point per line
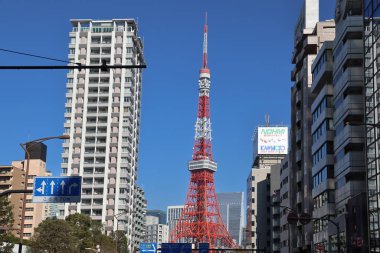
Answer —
250 46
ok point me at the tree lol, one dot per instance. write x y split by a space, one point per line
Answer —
78 233
54 236
6 223
122 242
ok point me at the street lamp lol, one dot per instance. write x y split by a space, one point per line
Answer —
26 147
116 216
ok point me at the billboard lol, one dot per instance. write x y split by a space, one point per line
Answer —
272 140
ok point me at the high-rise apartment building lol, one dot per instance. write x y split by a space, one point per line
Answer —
270 147
322 130
103 120
372 80
349 142
138 217
173 215
284 202
13 178
232 212
308 38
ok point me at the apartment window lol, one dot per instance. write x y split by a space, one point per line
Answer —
129 50
123 190
320 131
106 40
128 79
95 40
28 217
65 160
327 102
323 175
129 39
95 50
327 148
29 209
27 225
72 40
27 234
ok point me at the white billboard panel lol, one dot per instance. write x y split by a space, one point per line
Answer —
272 141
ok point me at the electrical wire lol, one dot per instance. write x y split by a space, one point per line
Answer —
36 56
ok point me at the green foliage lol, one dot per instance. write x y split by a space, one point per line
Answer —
54 236
6 224
78 233
122 242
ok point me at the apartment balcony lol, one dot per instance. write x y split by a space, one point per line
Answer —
299 176
298 136
298 155
299 197
350 134
354 161
298 116
327 160
352 49
329 184
351 188
327 209
352 77
350 24
324 75
352 105
328 136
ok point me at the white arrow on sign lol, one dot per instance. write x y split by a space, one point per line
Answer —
42 188
52 187
63 187
71 186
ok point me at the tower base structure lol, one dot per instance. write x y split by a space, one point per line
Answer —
201 221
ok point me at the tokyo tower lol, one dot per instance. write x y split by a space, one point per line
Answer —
200 221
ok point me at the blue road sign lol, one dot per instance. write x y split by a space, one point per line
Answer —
57 189
176 248
147 247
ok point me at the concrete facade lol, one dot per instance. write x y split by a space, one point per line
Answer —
103 120
308 38
12 177
256 208
284 202
322 130
349 111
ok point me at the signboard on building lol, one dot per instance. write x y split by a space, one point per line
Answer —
272 140
57 189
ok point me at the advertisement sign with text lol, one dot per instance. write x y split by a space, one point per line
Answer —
272 140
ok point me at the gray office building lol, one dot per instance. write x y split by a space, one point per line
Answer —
231 210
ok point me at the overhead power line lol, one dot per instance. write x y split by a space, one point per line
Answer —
35 56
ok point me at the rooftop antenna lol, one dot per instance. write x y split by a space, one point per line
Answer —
205 43
267 120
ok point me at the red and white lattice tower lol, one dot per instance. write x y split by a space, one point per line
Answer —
200 221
